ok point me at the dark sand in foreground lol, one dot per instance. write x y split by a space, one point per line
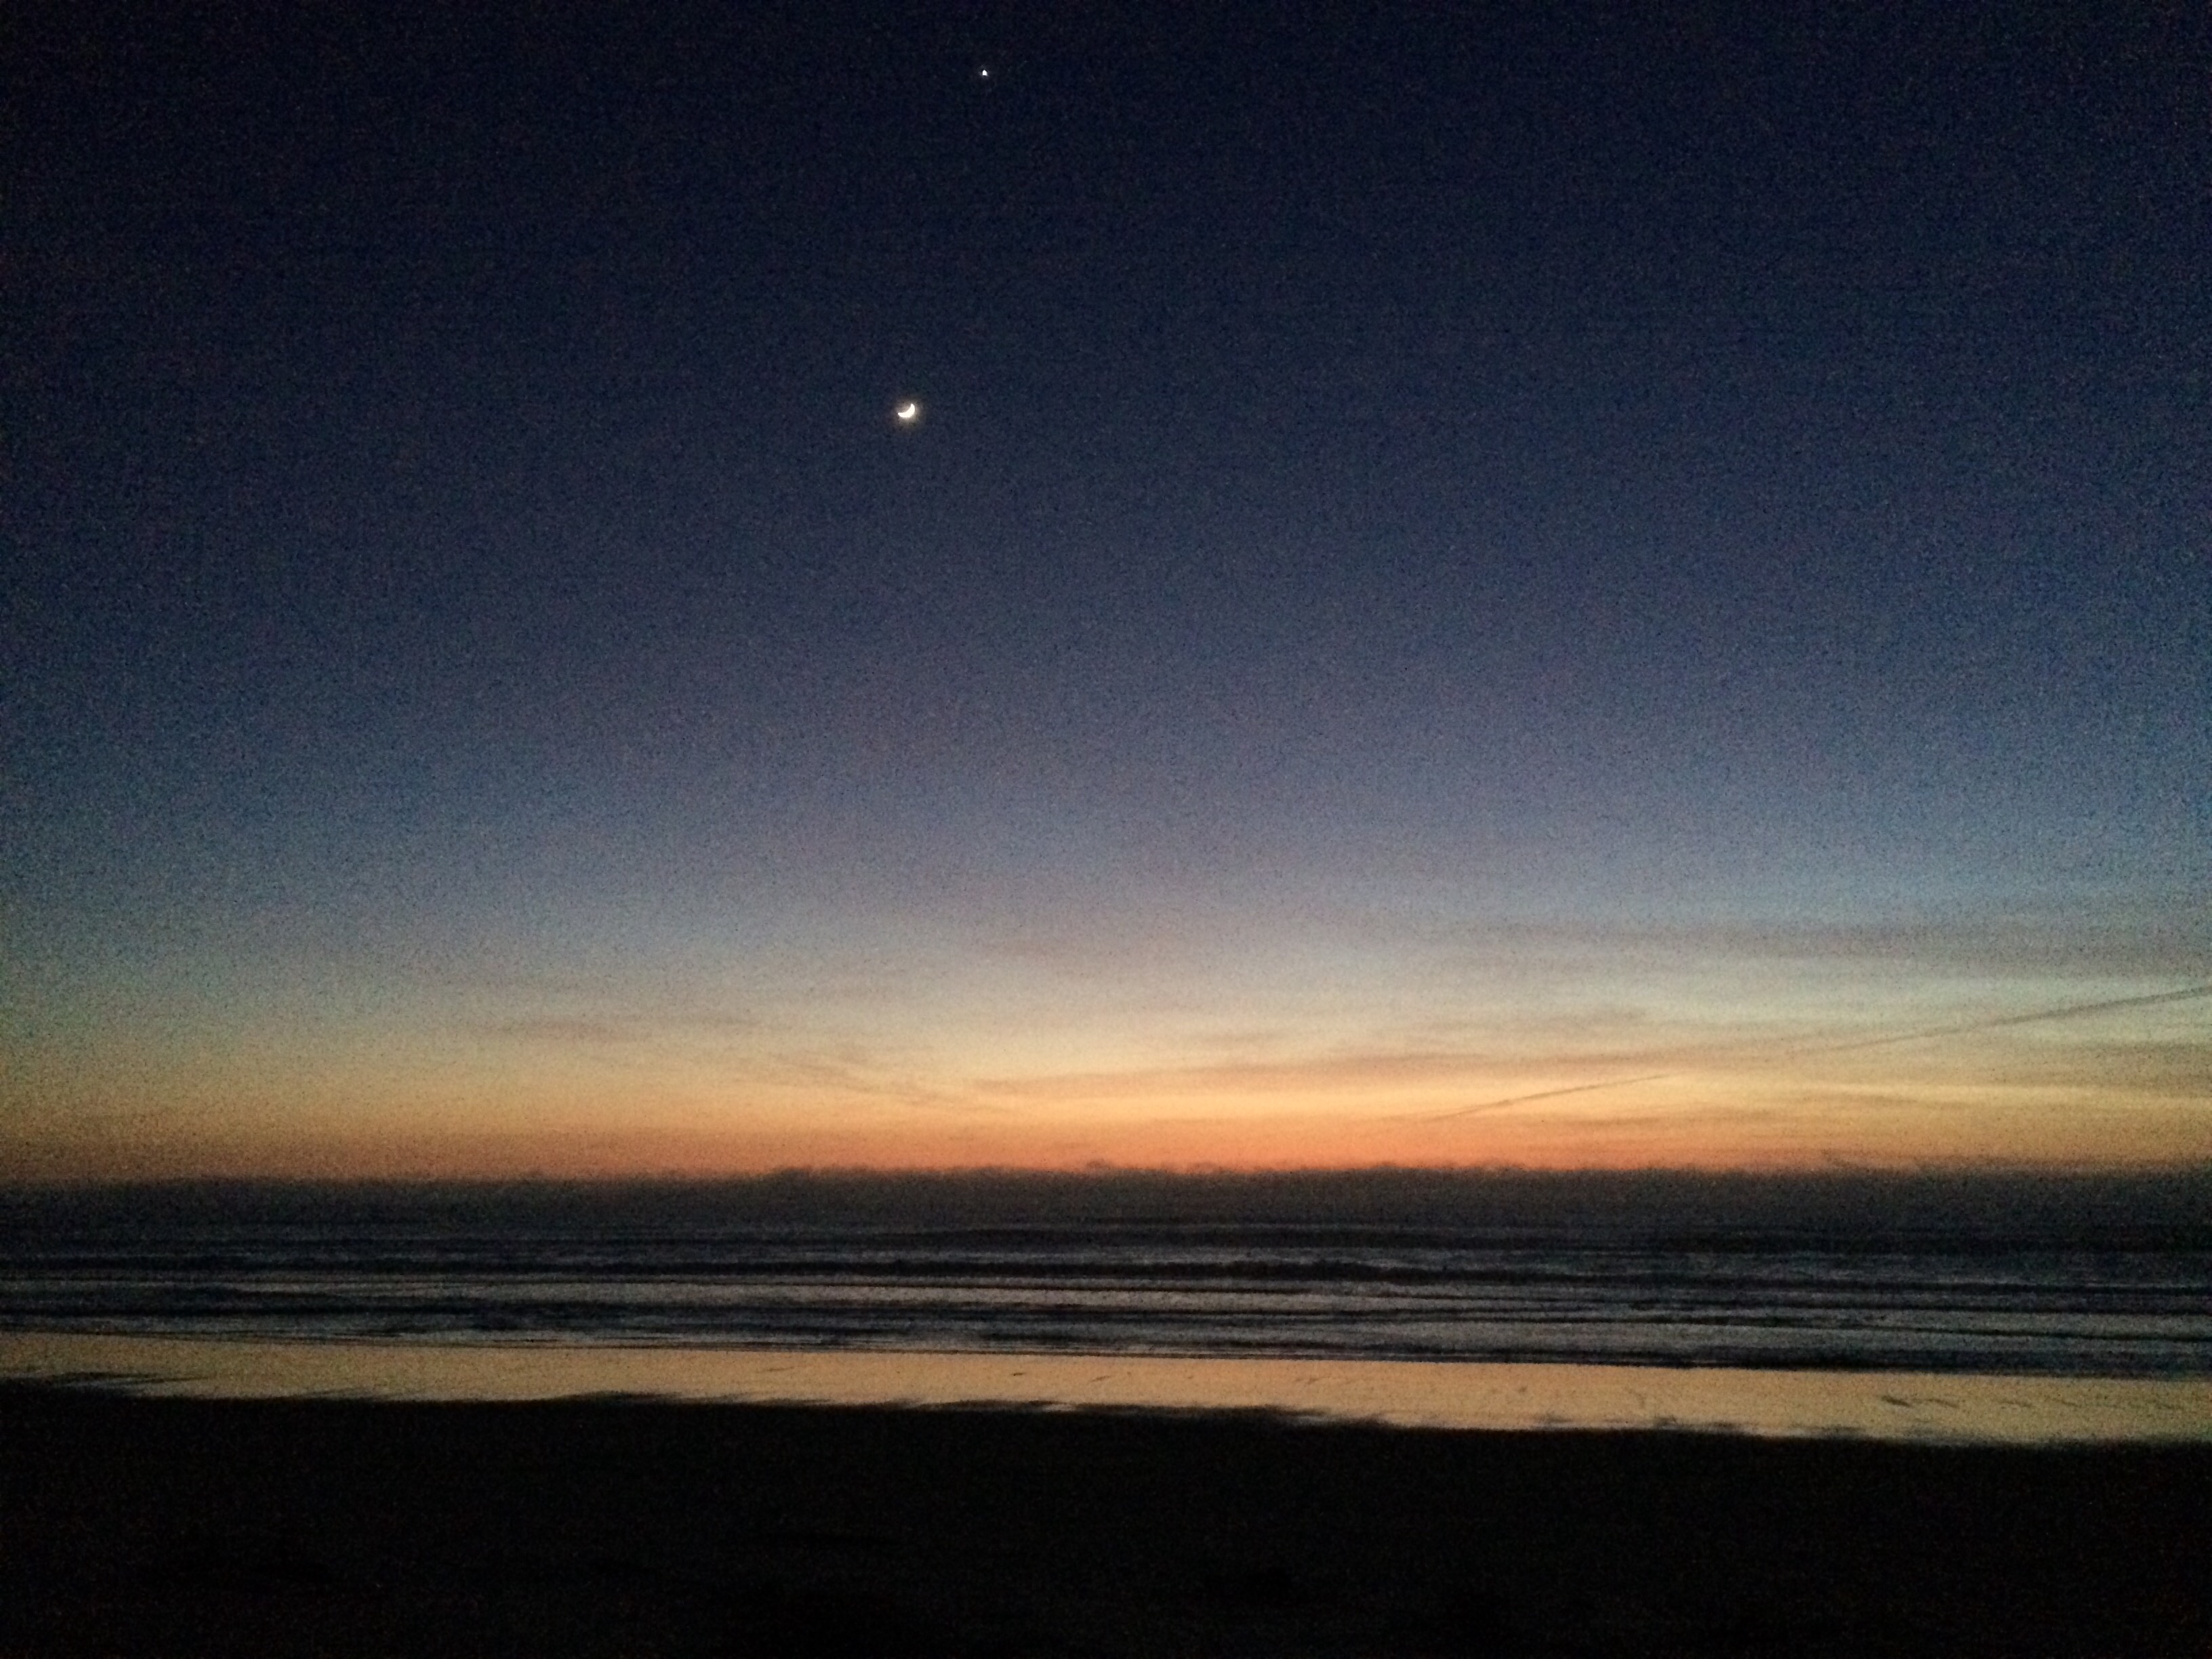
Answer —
145 1526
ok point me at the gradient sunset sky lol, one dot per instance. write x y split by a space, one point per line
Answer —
1566 586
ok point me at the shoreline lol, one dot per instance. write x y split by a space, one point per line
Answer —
1891 1406
175 1525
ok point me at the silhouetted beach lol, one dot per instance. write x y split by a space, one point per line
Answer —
137 1525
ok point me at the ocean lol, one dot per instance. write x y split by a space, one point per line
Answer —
1990 1275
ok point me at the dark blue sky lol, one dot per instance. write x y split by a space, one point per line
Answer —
1562 468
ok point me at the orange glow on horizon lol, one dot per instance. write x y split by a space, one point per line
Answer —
574 1150
1606 1060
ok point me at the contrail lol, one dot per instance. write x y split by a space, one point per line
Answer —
2069 1011
1547 1094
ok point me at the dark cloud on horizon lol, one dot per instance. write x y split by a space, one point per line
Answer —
1954 1203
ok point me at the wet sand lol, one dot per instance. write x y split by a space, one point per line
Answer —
1407 1394
132 1525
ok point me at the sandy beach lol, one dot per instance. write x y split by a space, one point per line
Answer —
132 1525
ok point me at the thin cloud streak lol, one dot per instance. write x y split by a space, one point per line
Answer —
2000 1022
1547 1094
2003 1021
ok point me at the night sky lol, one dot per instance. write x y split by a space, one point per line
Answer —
1574 584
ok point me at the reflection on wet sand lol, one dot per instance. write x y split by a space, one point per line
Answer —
1882 1405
